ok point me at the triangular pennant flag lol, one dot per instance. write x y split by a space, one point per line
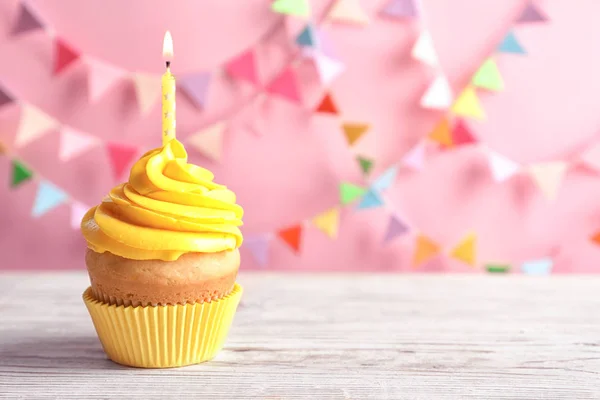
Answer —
147 90
439 95
401 9
461 134
120 157
327 105
328 68
20 173
365 164
596 238
292 236
537 267
285 85
467 105
196 87
350 192
64 55
354 131
243 67
33 124
371 199
209 141
78 210
396 227
497 268
101 77
26 21
415 158
531 13
308 37
259 248
48 197
424 51
466 250
548 176
501 166
511 45
591 156
328 222
74 142
488 76
300 8
425 249
3 149
441 133
385 180
348 11
5 98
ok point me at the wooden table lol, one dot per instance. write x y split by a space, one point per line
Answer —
327 337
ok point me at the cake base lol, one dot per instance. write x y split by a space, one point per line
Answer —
163 336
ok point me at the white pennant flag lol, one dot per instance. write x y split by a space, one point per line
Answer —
74 142
34 123
424 51
209 141
147 90
102 77
439 94
548 176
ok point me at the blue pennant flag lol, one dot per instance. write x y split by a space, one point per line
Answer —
308 37
371 199
48 197
510 44
537 267
385 180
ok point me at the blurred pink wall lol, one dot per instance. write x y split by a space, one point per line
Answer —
549 110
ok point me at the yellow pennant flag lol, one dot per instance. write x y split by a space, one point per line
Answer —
467 105
354 131
425 249
466 250
328 222
441 133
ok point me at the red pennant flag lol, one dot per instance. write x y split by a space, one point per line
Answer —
285 85
120 157
327 105
292 236
64 55
461 134
243 67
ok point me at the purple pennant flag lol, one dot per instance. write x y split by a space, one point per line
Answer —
196 87
401 9
531 14
5 98
259 247
395 228
26 21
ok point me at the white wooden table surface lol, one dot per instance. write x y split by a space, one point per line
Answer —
327 337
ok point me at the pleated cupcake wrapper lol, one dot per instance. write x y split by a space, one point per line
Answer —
163 336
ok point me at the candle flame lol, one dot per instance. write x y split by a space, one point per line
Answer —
168 46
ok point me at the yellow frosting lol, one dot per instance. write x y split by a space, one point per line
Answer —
167 208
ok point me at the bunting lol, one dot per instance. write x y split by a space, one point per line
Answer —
531 13
439 94
147 90
101 78
5 98
348 11
292 236
196 86
243 67
424 51
308 37
120 156
591 157
47 198
20 173
467 105
385 180
548 176
415 158
441 133
497 268
501 166
541 266
64 55
258 246
328 68
371 199
299 8
78 210
488 76
395 228
511 45
350 192
461 134
34 123
327 106
365 164
73 143
354 131
425 249
26 21
401 9
285 85
209 141
328 222
465 251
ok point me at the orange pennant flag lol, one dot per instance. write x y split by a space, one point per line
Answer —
441 133
596 238
466 249
292 236
425 249
327 105
354 131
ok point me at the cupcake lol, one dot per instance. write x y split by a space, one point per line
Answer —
162 259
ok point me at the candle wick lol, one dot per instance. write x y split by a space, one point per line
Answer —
168 64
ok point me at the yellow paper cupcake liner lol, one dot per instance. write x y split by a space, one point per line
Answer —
163 336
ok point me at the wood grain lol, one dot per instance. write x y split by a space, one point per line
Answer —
327 337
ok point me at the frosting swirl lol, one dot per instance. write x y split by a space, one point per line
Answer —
167 208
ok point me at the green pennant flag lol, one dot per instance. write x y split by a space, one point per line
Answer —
350 192
20 173
291 7
488 76
365 164
497 268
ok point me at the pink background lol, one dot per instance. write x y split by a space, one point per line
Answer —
548 111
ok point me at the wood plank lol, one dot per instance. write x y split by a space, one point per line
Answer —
328 336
